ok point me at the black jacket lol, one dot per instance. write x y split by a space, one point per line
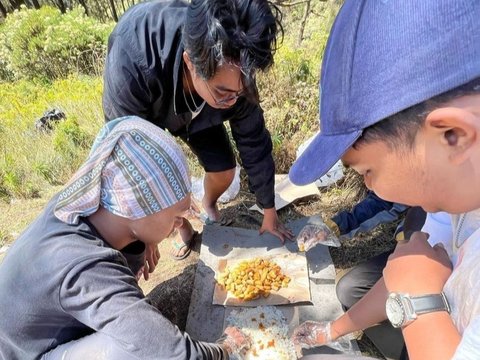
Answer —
142 77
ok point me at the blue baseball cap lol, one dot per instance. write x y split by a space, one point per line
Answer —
382 57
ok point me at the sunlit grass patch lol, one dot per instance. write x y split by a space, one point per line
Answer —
32 159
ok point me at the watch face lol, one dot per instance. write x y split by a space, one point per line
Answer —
394 311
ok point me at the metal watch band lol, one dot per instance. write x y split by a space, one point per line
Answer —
429 303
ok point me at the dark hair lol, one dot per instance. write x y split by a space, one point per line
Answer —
400 130
238 31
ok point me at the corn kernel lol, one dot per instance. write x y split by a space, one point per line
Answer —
251 279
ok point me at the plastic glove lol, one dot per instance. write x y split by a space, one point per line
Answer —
234 341
312 235
312 333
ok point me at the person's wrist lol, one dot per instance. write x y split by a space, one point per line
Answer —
334 331
224 343
413 289
226 348
325 336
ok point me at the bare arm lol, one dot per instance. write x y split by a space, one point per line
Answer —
417 268
367 312
431 336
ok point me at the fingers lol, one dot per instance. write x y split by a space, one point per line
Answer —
236 340
279 231
299 332
288 234
194 207
416 267
156 256
278 234
313 241
298 336
152 257
273 232
235 332
419 236
303 329
302 335
151 266
153 260
231 331
139 273
146 275
442 255
418 241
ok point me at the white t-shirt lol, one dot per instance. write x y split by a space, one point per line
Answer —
461 239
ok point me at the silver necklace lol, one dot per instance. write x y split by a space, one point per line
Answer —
198 108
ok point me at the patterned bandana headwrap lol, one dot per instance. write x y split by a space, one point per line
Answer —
134 169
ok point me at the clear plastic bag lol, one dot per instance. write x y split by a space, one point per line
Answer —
198 191
312 334
311 235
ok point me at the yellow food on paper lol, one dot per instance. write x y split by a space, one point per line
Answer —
250 279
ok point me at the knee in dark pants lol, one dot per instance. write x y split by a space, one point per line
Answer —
358 281
346 289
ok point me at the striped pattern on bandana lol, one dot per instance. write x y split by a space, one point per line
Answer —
134 169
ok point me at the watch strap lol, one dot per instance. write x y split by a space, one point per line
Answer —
429 303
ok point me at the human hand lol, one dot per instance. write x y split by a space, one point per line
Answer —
272 225
152 256
195 209
417 268
312 235
234 340
312 333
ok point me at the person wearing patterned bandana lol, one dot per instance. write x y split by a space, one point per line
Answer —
80 298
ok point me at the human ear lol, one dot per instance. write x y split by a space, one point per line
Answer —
188 62
457 128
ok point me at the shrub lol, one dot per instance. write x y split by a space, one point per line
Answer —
46 44
68 138
31 161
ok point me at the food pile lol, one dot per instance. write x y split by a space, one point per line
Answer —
250 279
267 329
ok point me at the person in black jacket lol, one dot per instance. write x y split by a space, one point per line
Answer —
188 68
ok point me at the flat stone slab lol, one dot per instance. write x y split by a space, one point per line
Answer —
205 321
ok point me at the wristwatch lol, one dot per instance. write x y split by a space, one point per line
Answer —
402 309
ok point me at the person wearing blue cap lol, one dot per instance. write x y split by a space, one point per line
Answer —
400 104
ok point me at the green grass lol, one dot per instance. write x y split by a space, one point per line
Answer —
31 160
